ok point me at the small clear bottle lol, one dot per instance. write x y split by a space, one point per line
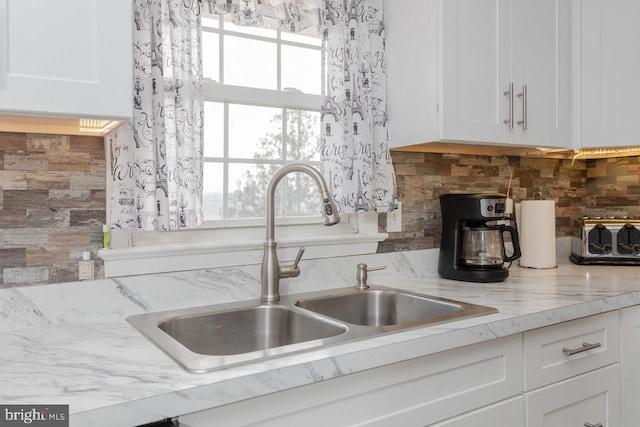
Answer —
85 267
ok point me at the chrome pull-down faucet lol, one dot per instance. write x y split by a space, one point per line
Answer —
272 272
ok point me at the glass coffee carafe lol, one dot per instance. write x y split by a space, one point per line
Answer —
483 245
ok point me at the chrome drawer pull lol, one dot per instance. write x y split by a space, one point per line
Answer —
585 347
592 425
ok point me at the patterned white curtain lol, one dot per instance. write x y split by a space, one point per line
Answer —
156 160
292 15
355 149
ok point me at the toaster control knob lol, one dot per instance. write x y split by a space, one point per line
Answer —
600 240
628 240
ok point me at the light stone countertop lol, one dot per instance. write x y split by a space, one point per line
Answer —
70 344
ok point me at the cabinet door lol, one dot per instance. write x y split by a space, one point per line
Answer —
509 413
415 392
412 45
630 329
66 58
542 64
592 398
610 66
476 70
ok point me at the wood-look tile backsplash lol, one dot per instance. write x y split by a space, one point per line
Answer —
52 198
603 187
52 206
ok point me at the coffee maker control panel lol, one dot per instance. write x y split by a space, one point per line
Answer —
493 208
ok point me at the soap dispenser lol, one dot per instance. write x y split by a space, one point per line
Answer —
85 269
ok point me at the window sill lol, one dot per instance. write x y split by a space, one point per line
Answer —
164 258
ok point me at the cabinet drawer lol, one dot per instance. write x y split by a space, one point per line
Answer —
594 342
589 399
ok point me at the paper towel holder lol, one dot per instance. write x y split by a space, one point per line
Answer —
537 231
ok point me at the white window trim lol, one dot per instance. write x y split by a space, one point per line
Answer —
217 92
195 249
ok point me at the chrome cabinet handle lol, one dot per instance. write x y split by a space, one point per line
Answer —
509 94
592 425
525 119
585 347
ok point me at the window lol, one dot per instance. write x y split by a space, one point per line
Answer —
262 102
262 110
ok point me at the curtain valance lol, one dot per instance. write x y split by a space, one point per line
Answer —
291 15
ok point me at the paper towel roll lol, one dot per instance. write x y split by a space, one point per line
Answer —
537 233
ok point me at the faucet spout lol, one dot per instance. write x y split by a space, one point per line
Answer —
271 270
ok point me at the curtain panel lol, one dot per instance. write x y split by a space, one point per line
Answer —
355 142
157 159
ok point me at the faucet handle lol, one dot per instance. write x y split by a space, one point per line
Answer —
298 257
292 270
361 275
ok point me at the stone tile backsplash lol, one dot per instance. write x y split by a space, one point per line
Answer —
613 187
52 200
602 187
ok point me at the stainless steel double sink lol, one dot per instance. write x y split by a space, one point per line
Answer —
213 337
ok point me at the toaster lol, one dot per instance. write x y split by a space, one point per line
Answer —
613 241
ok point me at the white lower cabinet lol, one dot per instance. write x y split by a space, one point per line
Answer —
591 399
564 375
572 374
416 392
630 329
509 413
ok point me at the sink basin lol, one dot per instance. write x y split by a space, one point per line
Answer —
212 337
246 330
382 308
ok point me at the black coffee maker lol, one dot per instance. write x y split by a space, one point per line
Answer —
472 247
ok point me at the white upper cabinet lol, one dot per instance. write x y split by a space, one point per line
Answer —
475 64
542 64
479 71
66 58
609 68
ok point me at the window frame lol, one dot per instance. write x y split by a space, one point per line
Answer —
226 94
